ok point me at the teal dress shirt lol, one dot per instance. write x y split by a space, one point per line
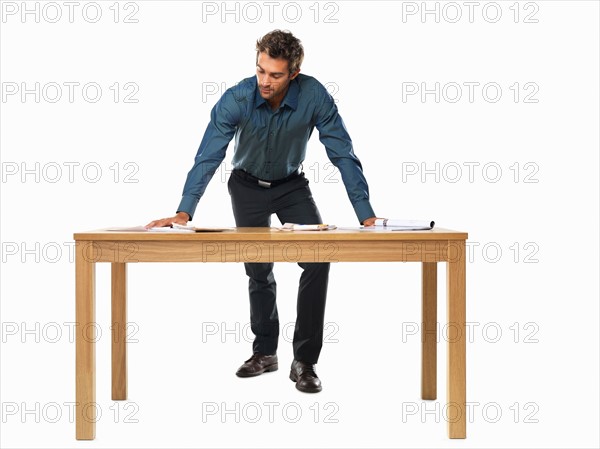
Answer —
271 145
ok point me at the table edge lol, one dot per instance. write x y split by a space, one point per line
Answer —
262 234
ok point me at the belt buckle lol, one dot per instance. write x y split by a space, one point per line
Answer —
264 184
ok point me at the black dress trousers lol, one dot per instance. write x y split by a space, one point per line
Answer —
292 201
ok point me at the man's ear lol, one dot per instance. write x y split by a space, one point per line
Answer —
294 75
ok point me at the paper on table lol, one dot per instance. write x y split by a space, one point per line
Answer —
127 229
365 228
143 229
198 229
170 229
396 224
175 228
306 227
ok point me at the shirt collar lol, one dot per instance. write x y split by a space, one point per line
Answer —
291 96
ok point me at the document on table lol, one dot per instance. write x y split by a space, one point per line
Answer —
178 227
174 228
306 227
397 224
389 225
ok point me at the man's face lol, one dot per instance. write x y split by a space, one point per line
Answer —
273 76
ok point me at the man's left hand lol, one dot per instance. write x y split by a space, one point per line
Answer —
370 221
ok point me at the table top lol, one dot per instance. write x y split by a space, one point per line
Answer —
274 234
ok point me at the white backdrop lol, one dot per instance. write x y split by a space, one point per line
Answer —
482 116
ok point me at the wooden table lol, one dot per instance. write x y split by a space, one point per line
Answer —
269 245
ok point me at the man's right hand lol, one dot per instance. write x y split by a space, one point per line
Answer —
181 218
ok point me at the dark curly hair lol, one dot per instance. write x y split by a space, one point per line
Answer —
282 44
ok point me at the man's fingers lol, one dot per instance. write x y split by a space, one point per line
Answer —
166 222
159 223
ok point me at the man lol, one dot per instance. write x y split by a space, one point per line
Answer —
272 117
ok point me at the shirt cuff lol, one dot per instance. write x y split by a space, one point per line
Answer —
188 204
363 210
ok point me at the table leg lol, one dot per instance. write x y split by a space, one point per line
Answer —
456 308
119 330
429 330
85 343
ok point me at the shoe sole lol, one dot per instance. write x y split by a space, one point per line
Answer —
267 369
294 379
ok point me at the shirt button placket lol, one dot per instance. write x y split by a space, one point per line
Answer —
269 147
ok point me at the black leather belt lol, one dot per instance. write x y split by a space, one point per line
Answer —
261 182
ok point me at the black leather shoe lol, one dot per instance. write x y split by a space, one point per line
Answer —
258 364
305 377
